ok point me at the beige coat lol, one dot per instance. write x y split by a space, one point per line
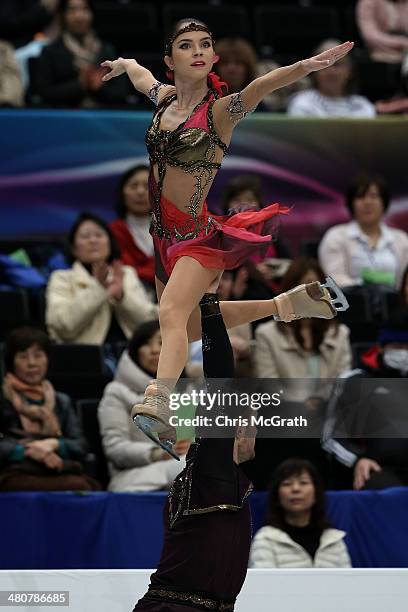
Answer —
278 355
79 311
273 547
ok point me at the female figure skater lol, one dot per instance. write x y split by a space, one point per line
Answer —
187 139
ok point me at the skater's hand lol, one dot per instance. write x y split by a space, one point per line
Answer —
327 58
362 471
115 68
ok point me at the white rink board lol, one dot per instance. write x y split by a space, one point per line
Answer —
311 590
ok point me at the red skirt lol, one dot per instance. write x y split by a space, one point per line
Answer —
230 241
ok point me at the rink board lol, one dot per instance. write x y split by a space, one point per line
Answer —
315 590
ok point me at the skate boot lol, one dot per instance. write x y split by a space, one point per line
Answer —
311 300
152 417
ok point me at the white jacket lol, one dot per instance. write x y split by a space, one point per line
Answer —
79 309
272 547
127 449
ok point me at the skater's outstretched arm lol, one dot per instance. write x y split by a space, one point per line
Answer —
142 79
239 104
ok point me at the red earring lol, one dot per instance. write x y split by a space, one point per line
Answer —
170 75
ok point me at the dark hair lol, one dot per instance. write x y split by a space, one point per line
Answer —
244 182
141 336
20 340
361 184
63 6
86 216
352 83
177 26
120 207
295 466
297 269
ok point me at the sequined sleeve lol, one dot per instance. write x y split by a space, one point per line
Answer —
236 107
153 93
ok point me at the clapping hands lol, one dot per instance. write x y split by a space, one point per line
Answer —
327 58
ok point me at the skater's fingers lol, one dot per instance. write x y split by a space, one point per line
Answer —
106 64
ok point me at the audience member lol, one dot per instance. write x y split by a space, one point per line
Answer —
98 299
131 229
398 104
312 349
373 416
21 19
383 25
41 445
46 34
331 93
237 65
277 101
68 72
11 87
257 279
365 250
298 533
135 463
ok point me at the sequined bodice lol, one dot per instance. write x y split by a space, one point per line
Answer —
192 147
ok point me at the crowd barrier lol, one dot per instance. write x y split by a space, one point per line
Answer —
124 531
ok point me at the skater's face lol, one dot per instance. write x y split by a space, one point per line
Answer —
297 493
31 365
77 17
136 193
192 56
149 353
91 243
369 207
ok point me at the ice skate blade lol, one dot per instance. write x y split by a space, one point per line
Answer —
146 425
339 301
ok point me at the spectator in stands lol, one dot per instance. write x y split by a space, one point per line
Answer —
375 453
21 19
365 250
68 72
398 104
277 101
331 94
98 299
131 229
46 34
11 86
135 463
41 445
384 27
237 65
312 349
257 279
298 533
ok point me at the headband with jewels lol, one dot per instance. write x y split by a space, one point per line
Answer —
191 27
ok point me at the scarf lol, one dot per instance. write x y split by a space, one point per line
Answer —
85 52
38 417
